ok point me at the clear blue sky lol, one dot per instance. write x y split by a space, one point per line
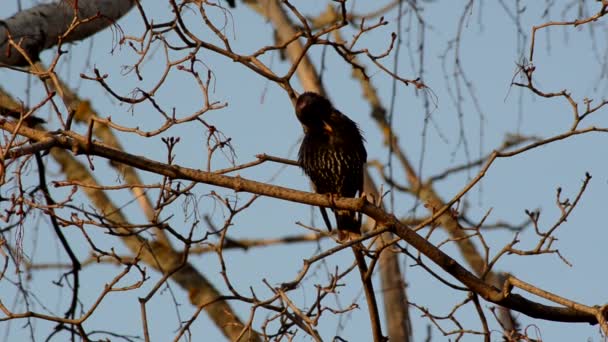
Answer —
259 119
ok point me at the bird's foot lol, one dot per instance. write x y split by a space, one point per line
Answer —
343 236
332 199
368 197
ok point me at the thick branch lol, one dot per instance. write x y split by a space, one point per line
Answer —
78 143
43 26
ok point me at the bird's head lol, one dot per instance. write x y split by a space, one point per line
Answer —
314 111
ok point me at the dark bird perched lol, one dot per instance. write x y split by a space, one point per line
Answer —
332 156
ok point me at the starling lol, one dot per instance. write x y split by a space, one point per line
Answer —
332 156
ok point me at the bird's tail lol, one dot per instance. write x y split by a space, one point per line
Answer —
348 224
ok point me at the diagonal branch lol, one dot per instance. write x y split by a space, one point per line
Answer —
487 291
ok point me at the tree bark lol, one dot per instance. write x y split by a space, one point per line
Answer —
29 32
